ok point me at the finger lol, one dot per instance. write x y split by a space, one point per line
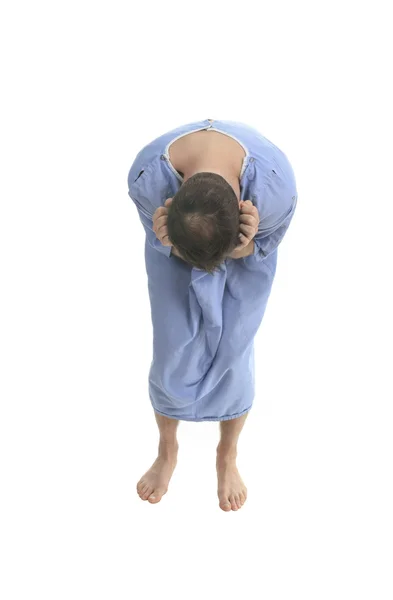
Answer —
162 232
249 209
160 212
165 241
168 201
251 220
247 219
159 222
163 237
247 204
245 228
247 231
243 240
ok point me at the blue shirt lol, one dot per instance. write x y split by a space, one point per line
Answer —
204 325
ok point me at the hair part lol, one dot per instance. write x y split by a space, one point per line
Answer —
203 220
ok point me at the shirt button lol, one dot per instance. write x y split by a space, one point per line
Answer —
252 159
163 157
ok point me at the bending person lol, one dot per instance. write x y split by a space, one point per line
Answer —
215 199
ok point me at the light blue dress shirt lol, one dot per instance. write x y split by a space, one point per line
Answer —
203 366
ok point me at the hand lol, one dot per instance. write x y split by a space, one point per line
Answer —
249 221
160 219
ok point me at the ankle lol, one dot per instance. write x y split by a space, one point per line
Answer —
168 449
226 452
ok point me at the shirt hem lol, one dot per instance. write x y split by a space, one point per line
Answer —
199 419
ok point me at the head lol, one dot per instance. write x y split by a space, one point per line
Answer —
203 220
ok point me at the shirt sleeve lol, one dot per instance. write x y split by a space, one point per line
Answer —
147 222
278 201
141 197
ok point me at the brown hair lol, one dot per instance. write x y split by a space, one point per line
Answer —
203 220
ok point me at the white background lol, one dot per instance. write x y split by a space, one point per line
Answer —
84 86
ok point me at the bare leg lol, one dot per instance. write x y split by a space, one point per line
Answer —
232 492
154 483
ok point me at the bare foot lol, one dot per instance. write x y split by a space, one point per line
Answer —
232 492
154 483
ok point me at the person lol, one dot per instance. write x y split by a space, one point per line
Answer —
215 199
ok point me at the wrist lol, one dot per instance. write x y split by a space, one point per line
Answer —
246 251
250 248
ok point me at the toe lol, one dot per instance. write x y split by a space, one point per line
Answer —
146 493
242 498
143 489
153 499
155 496
225 504
233 502
238 501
